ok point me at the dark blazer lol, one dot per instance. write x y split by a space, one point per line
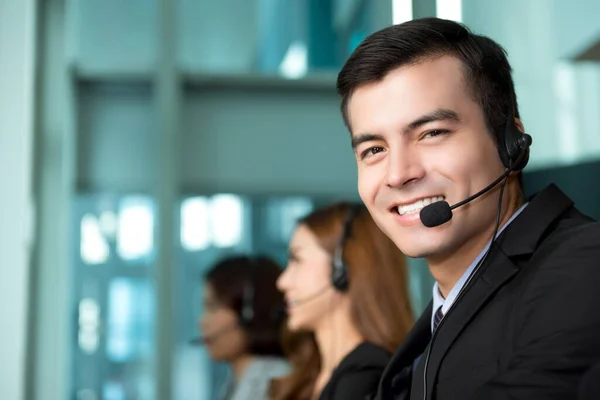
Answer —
528 326
589 388
358 375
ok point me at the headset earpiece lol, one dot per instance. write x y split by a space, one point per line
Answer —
247 311
339 271
516 143
246 317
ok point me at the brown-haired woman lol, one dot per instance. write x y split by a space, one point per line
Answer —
346 287
242 324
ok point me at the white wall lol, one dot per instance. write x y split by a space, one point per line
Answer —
17 38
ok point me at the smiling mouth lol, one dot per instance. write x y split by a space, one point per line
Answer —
417 206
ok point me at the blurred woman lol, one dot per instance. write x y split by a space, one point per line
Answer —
242 324
345 288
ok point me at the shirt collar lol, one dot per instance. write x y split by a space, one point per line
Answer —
438 299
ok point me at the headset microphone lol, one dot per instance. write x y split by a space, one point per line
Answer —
201 340
440 212
311 297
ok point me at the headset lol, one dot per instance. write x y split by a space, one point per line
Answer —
513 148
339 272
515 151
246 316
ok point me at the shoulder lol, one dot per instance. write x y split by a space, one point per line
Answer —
255 381
562 275
365 356
269 367
359 373
573 242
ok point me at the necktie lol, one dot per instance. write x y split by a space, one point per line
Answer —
437 318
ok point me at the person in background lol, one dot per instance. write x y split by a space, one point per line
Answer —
347 302
242 324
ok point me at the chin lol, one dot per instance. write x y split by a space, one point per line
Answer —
421 244
295 325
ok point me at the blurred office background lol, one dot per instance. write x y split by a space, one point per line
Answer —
140 140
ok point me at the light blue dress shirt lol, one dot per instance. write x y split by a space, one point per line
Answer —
438 299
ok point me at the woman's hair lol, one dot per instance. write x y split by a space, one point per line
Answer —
241 283
379 301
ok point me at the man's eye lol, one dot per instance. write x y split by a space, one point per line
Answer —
435 133
371 151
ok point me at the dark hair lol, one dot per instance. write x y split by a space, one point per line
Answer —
229 279
380 306
487 72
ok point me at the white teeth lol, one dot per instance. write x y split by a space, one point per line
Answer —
418 205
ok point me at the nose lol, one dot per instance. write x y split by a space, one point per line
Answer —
283 280
404 166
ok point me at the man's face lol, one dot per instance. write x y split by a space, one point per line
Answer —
419 137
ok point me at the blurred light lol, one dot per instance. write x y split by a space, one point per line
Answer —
129 318
295 62
227 220
109 224
195 234
93 247
402 11
292 211
119 344
89 313
135 229
88 341
112 390
89 325
449 9
564 87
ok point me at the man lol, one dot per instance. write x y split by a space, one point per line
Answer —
433 116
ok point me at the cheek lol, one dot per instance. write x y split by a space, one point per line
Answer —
309 315
227 347
472 170
369 178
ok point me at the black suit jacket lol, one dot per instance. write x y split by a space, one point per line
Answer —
589 388
528 326
358 375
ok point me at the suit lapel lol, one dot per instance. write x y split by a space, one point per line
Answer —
521 237
485 283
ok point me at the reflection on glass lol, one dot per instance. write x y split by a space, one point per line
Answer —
564 86
283 215
135 228
402 11
292 210
93 247
129 319
109 224
195 234
449 9
227 220
89 324
295 62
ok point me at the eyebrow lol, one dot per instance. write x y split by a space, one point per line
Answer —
441 114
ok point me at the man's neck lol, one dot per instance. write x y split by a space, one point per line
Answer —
448 269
